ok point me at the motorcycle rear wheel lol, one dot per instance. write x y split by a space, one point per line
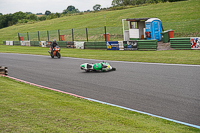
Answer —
87 70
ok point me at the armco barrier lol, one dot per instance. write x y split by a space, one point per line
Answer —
70 44
141 44
25 43
9 43
95 45
62 43
147 44
34 43
180 43
16 43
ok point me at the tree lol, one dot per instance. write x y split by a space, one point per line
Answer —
76 11
70 8
47 12
39 14
29 13
117 2
57 15
65 11
44 17
50 16
97 7
1 14
3 21
137 2
32 17
18 16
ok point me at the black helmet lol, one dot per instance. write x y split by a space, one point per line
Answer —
54 41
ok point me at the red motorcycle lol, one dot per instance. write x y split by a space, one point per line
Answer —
56 52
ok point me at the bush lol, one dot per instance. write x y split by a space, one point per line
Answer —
81 13
22 21
32 17
44 17
50 16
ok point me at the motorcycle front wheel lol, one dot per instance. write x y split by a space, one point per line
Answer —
113 69
58 55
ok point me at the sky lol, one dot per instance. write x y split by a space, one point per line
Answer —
40 6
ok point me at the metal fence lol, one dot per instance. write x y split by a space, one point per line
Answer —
85 34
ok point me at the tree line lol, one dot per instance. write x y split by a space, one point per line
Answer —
20 17
138 2
11 19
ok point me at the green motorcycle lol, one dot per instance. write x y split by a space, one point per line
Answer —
102 66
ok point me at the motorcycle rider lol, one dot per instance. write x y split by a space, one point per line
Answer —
53 44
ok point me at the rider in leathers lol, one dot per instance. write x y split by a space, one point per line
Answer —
53 44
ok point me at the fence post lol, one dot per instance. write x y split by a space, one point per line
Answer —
48 35
105 35
87 34
19 37
38 36
59 34
72 35
28 36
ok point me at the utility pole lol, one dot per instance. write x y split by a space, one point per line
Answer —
105 30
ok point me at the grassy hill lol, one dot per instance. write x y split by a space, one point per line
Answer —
183 17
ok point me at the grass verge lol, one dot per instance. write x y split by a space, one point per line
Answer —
167 56
25 108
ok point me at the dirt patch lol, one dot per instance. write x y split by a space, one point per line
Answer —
163 46
39 15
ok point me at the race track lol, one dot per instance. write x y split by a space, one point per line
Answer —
171 91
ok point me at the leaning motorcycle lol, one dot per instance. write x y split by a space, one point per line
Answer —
56 52
102 66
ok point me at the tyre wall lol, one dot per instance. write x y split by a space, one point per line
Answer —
147 44
95 45
180 43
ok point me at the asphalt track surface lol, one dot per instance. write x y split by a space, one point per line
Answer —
166 90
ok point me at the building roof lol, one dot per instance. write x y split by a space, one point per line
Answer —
136 19
152 19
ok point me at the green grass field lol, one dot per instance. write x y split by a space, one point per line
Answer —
167 56
183 17
25 108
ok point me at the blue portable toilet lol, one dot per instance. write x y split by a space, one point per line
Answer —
153 29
